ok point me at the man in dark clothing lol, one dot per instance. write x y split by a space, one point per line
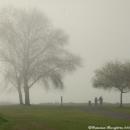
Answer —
100 100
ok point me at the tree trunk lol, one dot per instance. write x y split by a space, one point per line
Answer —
61 101
27 98
121 97
26 91
20 96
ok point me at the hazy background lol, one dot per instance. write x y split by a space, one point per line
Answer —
99 31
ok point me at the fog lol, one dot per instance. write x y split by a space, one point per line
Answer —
98 32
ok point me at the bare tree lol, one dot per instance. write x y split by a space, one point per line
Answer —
113 75
34 48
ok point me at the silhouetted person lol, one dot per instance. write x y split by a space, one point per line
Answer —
89 103
96 101
100 100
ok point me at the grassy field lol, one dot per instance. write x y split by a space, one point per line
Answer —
56 118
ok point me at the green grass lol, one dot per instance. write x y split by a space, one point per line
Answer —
53 118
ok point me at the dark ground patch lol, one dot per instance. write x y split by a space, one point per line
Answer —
2 120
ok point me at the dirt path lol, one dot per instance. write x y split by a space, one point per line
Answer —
108 113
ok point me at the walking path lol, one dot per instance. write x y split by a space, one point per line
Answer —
108 112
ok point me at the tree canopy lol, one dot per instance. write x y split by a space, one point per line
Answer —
34 49
113 75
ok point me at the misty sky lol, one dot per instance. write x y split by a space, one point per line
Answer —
99 32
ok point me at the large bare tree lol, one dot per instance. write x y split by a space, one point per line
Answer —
113 75
34 49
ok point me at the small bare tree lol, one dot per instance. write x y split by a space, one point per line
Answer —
113 75
34 48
